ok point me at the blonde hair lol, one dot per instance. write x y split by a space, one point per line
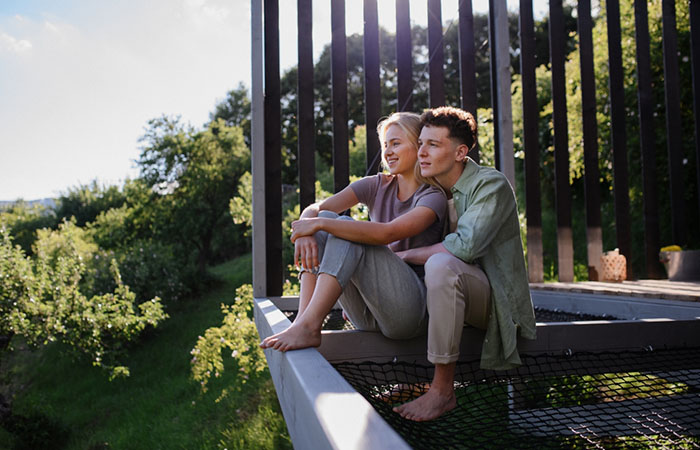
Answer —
410 124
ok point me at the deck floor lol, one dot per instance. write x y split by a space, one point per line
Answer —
663 289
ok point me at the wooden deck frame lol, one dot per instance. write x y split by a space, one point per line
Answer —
322 410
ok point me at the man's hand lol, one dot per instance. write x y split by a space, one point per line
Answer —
306 252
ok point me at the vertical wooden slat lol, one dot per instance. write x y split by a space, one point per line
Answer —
500 67
695 57
673 123
404 59
436 54
257 147
557 41
305 105
339 85
493 68
594 233
619 134
273 151
467 63
373 98
533 203
646 131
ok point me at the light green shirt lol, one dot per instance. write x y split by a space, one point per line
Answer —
488 234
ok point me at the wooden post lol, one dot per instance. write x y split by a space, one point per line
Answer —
557 40
594 232
695 57
619 134
533 201
674 134
467 65
373 96
646 134
436 54
258 152
306 143
500 68
339 88
404 60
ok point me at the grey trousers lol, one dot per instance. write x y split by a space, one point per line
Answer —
380 291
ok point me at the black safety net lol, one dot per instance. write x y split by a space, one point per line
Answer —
635 399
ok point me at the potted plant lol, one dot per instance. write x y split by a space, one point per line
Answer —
681 265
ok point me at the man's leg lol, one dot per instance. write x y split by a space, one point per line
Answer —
457 293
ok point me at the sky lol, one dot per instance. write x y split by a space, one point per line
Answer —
80 79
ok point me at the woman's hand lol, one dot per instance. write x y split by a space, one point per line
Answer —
306 252
305 227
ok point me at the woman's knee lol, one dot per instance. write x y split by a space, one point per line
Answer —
326 214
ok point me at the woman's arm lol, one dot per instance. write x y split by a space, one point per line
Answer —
373 233
305 248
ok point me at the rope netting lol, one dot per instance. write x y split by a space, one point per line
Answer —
634 399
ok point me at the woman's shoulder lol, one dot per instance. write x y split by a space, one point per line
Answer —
428 189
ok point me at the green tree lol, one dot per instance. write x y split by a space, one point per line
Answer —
194 173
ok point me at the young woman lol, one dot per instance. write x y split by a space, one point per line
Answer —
354 261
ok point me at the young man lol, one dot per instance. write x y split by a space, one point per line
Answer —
476 275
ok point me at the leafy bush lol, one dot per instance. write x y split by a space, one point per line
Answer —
44 299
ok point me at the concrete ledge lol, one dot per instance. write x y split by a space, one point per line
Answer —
321 409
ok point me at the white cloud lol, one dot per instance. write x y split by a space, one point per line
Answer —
14 45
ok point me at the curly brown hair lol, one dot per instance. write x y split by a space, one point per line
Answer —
460 123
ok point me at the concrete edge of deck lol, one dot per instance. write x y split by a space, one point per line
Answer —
321 409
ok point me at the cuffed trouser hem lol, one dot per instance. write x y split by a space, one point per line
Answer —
442 359
457 294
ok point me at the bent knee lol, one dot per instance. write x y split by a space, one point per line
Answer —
439 268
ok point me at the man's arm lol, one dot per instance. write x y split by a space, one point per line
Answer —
420 255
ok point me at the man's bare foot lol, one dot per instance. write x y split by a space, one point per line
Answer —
295 337
428 406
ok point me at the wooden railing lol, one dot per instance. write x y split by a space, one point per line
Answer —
266 141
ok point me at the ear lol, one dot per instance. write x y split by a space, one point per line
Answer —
461 154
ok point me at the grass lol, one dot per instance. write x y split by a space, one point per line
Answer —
158 406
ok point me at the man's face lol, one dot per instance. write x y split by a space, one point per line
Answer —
438 155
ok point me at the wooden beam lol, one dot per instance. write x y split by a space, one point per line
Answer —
436 55
467 64
533 201
557 42
339 88
500 68
306 144
257 138
594 230
373 95
646 137
273 151
404 58
619 134
695 60
316 401
674 133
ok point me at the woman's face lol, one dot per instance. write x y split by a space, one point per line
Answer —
399 153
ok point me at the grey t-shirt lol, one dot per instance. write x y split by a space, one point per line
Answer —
380 194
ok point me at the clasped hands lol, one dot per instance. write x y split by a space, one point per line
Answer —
305 246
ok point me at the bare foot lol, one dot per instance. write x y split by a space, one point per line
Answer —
428 406
295 337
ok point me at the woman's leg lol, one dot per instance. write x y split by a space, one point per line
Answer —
384 294
307 278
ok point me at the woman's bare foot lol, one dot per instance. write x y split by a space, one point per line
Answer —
428 406
295 337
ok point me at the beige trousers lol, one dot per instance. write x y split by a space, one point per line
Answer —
457 294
